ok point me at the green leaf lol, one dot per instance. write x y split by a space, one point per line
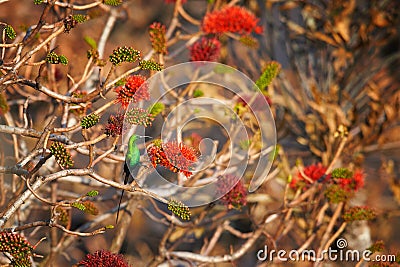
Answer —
91 42
156 109
198 93
63 59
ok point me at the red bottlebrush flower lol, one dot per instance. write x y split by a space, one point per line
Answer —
180 156
157 37
177 157
156 154
233 198
102 258
206 49
314 172
115 125
353 182
135 89
231 19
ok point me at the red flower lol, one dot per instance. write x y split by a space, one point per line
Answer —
206 49
177 157
114 125
132 90
314 172
231 19
353 183
234 198
102 258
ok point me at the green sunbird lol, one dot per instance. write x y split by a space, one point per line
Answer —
131 161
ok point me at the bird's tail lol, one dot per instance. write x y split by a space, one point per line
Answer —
126 179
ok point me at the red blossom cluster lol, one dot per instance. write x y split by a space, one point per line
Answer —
102 258
177 157
233 198
132 90
206 49
353 183
115 125
233 19
314 172
343 177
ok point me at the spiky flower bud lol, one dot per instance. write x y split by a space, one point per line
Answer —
63 216
124 54
179 209
150 65
248 41
157 37
92 53
61 154
72 20
69 23
341 173
359 214
270 72
139 116
378 246
90 121
92 193
18 247
156 109
336 194
85 206
10 32
80 18
53 58
112 2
